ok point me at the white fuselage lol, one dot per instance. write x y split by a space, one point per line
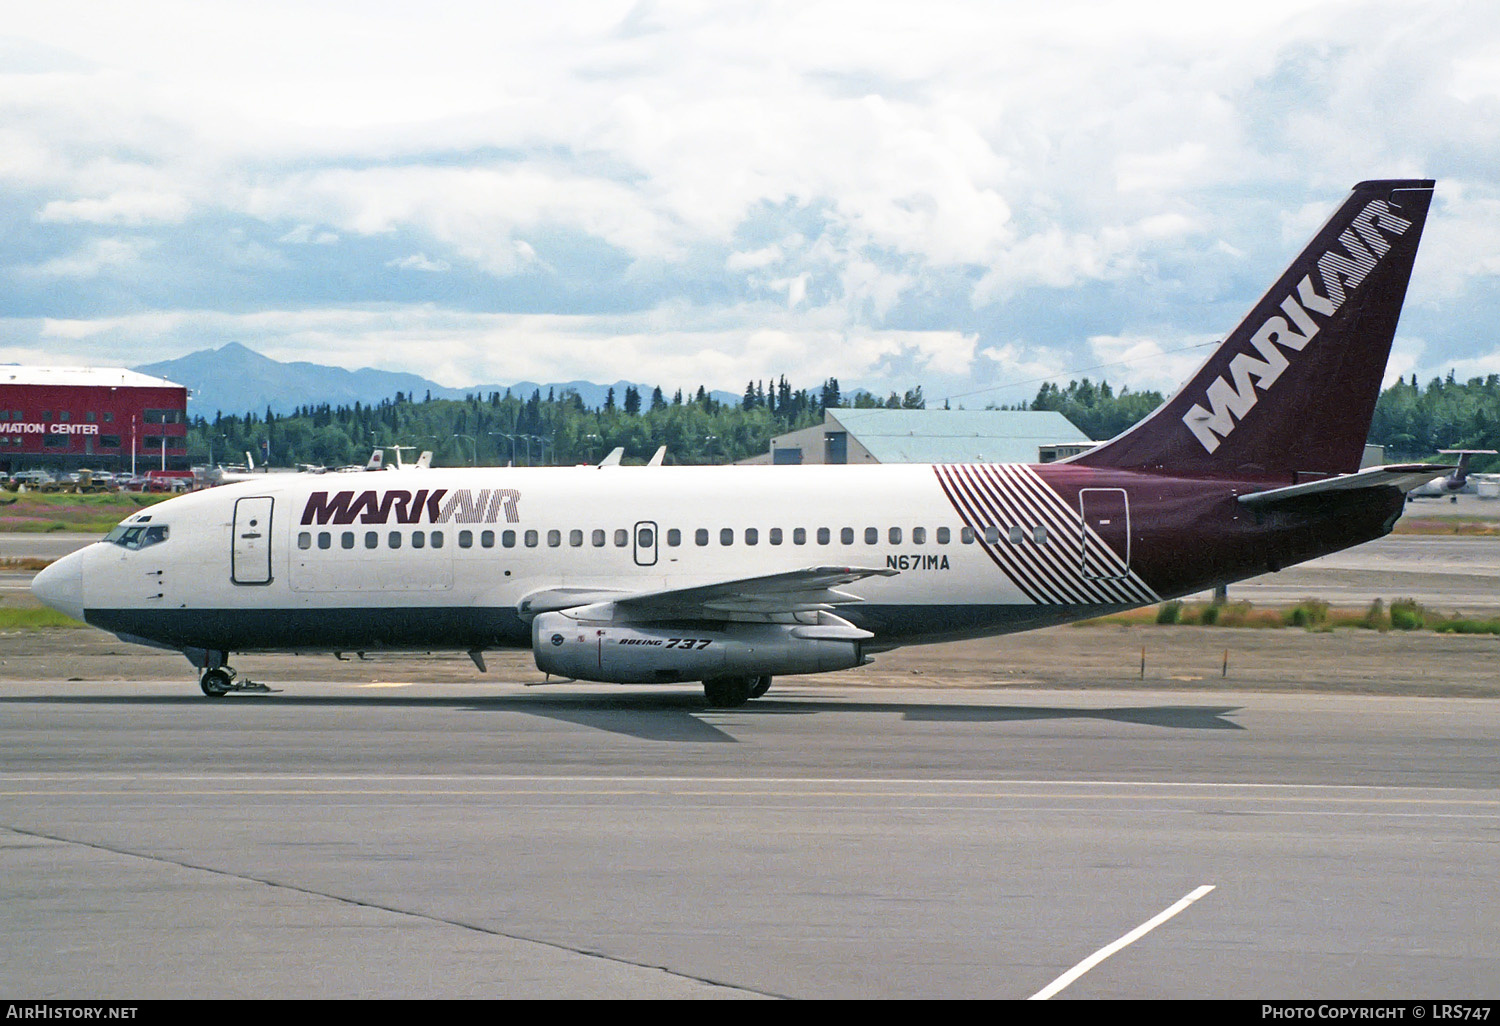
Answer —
457 558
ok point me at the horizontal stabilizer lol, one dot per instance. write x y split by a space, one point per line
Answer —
1402 476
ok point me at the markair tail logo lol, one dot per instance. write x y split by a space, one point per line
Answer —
1278 341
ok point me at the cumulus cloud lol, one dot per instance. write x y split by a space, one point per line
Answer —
124 208
957 193
419 262
94 259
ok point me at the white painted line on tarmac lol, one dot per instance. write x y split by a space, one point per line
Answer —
1109 949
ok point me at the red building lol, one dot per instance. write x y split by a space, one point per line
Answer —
102 418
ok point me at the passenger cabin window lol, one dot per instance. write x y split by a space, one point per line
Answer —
597 538
872 536
487 539
554 539
575 539
966 536
846 535
437 539
304 540
622 538
325 540
418 539
799 536
394 539
346 540
895 536
372 539
824 536
918 535
531 539
944 536
700 536
992 535
1039 534
465 539
1017 536
775 538
508 539
752 536
726 536
674 537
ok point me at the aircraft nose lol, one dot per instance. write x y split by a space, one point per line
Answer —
61 585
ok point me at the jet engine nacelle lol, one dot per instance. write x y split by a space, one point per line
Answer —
664 654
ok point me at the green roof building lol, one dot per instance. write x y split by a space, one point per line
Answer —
930 436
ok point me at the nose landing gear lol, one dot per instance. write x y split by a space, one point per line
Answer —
219 678
217 683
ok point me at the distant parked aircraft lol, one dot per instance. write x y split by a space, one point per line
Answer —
1451 484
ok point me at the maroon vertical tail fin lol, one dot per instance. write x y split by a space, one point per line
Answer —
1290 392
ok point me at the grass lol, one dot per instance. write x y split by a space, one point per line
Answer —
24 564
30 618
1448 526
42 512
1309 614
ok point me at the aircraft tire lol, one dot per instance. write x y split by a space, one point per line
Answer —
759 686
215 683
727 692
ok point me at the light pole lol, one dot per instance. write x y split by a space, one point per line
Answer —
708 446
475 461
501 434
542 443
591 439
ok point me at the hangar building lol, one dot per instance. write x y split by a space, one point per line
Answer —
930 436
69 418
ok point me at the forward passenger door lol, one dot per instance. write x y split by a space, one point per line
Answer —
250 558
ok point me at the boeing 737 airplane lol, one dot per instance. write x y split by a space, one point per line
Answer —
731 575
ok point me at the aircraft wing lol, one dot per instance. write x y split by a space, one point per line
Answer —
793 591
1403 476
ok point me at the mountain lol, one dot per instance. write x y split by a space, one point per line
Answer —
237 379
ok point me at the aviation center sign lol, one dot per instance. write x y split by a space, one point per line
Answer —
23 428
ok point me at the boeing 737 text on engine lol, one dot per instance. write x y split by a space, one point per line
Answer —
732 575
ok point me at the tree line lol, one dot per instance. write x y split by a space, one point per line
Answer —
1411 421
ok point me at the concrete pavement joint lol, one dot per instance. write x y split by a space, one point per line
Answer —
356 902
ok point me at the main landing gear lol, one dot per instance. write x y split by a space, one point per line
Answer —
728 692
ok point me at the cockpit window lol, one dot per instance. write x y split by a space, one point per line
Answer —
137 536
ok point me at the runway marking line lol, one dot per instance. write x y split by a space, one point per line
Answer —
717 779
713 793
1109 949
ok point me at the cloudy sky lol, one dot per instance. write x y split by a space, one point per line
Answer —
970 197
